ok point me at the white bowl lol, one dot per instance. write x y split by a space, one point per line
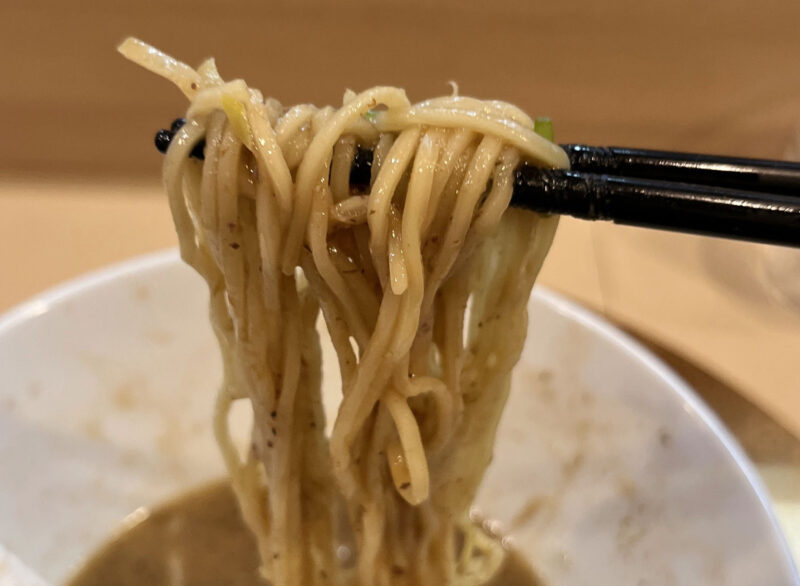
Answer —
608 468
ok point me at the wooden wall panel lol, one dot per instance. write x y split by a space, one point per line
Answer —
718 76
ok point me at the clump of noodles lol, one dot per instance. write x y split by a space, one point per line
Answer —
270 221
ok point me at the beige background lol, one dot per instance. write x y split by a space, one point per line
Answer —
717 75
79 174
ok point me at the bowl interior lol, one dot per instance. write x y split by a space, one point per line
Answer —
607 468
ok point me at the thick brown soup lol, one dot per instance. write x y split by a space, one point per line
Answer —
200 540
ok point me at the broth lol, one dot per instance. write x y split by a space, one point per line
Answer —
200 540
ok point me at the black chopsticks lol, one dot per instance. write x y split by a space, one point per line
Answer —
734 172
746 199
680 207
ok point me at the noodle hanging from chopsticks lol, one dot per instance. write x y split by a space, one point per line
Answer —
270 220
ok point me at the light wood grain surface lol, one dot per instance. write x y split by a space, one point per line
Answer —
718 76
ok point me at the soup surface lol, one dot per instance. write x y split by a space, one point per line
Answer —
200 540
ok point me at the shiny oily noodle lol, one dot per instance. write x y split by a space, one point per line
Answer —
269 219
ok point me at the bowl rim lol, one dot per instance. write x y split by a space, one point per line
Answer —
41 303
